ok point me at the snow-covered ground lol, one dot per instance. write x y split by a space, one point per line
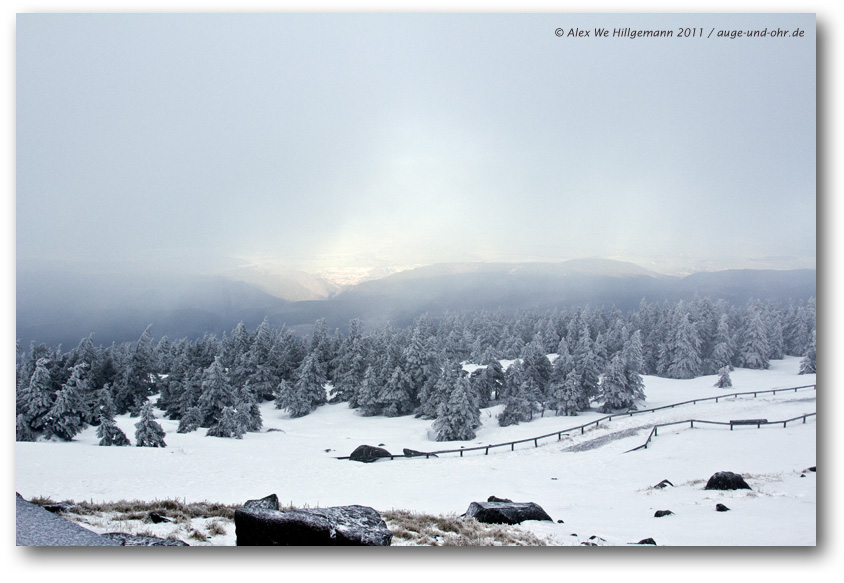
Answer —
586 480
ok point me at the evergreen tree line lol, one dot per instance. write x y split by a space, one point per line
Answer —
597 357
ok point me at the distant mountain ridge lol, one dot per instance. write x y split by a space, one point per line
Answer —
63 311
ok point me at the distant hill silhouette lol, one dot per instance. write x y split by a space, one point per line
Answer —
63 308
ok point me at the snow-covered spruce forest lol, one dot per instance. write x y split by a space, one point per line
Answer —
215 385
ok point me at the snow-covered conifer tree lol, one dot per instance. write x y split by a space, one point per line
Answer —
725 348
519 407
570 401
754 350
809 363
148 433
261 363
367 399
229 425
631 357
308 392
136 383
586 366
191 420
65 418
724 380
773 325
217 393
109 433
37 399
615 390
248 411
395 398
458 416
538 368
22 430
686 362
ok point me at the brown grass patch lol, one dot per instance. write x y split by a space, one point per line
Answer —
413 528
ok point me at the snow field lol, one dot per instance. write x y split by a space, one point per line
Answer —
599 490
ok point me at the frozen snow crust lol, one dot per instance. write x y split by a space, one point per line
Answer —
587 480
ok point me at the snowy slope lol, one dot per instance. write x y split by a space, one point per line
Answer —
587 480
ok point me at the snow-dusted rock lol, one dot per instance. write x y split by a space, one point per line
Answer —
335 526
506 512
157 518
267 502
726 481
369 453
413 453
134 540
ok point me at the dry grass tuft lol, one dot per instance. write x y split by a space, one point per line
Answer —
216 527
197 535
413 528
179 511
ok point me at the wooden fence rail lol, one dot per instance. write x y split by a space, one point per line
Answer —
597 422
757 422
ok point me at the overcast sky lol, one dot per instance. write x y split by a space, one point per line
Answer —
330 141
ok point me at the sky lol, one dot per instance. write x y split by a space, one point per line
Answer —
358 141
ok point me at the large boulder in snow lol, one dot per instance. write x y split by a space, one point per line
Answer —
726 481
267 502
369 453
336 526
506 512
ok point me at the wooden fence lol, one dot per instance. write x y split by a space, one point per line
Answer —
607 418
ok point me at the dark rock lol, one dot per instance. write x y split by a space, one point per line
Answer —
267 503
721 508
368 453
661 513
336 526
133 540
812 469
506 512
726 481
663 484
380 445
497 499
560 521
59 507
553 478
157 518
802 475
414 453
646 541
35 527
